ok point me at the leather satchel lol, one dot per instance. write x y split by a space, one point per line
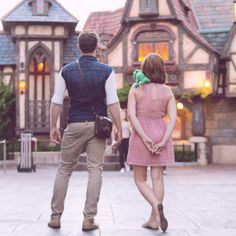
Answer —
103 125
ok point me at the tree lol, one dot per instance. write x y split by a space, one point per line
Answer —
7 111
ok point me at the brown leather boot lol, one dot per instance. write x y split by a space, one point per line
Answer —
88 225
55 222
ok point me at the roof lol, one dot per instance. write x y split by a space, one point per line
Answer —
109 22
105 22
190 23
7 50
70 49
23 13
215 19
214 15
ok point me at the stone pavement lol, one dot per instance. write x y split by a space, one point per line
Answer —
198 202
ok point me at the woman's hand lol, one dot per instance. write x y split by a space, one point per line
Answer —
159 147
148 143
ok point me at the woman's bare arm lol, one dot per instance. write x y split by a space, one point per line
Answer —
172 113
135 122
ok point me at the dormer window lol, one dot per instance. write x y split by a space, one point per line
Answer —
40 7
148 8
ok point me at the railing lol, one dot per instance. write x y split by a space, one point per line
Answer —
185 152
38 115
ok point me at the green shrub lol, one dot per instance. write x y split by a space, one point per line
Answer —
7 111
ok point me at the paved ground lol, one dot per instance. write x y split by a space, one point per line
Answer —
198 202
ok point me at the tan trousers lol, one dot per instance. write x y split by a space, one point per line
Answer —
79 136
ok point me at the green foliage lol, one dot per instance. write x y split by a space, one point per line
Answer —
123 93
7 113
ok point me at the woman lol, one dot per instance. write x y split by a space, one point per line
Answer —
150 141
123 147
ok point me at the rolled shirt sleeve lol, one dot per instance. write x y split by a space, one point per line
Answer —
60 89
110 88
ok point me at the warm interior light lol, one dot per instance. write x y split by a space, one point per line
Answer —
40 67
22 85
180 106
207 84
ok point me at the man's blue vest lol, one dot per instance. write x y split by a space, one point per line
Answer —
95 75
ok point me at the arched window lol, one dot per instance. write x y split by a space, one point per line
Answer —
154 41
39 87
39 70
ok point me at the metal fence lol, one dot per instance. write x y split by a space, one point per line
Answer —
185 152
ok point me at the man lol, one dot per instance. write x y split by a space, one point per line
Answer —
97 88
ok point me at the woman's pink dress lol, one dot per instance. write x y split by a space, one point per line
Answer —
150 111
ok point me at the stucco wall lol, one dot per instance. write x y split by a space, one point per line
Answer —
6 74
59 30
39 30
134 8
115 58
20 30
57 56
164 8
194 79
200 56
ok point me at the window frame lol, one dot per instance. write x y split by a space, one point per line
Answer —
148 8
46 8
135 52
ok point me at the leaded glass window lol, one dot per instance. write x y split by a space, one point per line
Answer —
153 41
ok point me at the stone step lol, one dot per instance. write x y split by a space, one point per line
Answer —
111 161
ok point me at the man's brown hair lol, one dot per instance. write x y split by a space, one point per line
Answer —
154 68
88 40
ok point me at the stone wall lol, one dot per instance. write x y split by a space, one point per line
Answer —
220 117
221 128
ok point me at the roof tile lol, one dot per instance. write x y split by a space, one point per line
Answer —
70 49
7 50
23 13
105 22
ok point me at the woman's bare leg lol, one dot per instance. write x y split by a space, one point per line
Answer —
140 177
158 182
158 189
